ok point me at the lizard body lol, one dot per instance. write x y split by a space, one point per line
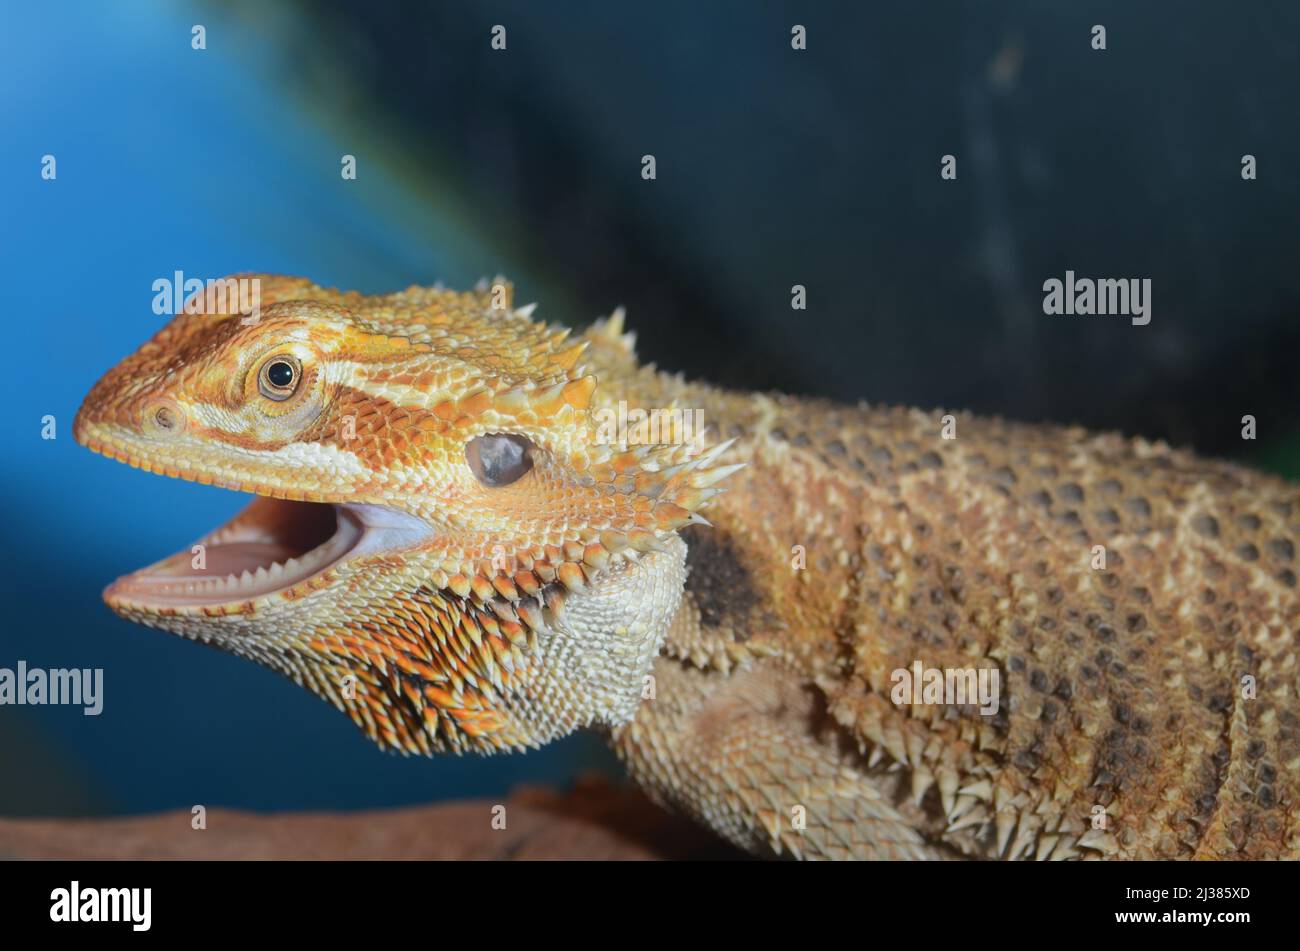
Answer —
733 614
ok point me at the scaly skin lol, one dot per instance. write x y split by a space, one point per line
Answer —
743 668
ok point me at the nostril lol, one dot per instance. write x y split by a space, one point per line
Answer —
162 418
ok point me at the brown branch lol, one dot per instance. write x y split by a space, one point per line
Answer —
595 820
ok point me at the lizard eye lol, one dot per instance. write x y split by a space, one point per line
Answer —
279 377
498 460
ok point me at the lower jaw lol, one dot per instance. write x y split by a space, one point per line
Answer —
271 548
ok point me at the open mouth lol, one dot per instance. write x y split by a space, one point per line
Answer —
270 547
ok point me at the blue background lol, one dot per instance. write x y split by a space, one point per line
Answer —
775 168
170 158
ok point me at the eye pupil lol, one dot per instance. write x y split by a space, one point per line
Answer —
279 373
498 460
279 377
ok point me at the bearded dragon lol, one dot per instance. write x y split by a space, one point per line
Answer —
449 546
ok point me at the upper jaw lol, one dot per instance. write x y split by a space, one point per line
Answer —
195 462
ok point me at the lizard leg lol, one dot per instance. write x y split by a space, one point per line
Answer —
740 753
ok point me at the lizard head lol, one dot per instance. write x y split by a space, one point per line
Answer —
441 544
